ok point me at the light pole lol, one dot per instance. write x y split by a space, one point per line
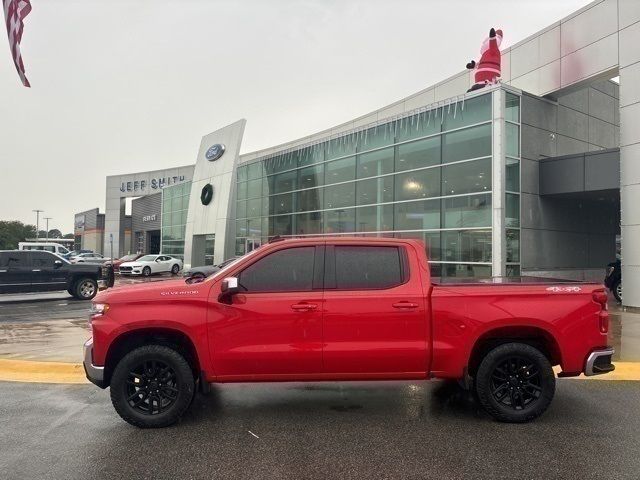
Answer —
47 231
38 223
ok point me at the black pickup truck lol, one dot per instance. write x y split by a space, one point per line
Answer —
24 271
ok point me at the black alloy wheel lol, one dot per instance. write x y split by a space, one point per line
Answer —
146 271
152 386
175 269
515 382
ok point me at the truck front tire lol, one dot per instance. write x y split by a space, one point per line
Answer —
515 383
85 288
152 386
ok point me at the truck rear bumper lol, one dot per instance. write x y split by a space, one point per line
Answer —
599 362
94 374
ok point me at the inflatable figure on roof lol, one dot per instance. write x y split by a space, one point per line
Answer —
487 70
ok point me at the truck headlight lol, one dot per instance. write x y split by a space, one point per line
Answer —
99 309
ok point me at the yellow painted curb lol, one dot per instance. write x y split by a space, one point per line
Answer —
58 372
41 372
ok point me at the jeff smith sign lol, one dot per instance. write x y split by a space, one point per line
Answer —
153 184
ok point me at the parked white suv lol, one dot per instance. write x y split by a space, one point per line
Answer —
44 246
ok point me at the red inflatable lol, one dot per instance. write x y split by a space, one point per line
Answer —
487 70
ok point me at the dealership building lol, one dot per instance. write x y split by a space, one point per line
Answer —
538 175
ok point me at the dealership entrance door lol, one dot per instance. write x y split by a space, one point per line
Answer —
203 248
153 237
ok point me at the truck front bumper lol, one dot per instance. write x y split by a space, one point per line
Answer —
599 362
93 373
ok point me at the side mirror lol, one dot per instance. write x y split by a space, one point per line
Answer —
228 289
57 264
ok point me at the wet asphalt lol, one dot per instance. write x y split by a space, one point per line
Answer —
36 307
330 430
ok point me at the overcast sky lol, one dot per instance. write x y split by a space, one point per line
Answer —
126 86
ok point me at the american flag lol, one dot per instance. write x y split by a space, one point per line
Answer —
15 12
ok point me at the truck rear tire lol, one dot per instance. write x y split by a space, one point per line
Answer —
152 387
85 288
515 383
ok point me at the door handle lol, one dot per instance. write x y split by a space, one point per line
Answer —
405 305
303 307
35 270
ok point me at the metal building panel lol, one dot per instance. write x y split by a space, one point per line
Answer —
589 26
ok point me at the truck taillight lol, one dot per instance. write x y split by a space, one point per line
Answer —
601 297
603 320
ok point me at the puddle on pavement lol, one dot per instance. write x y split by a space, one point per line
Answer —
58 340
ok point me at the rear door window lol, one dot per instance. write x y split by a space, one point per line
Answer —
42 260
368 267
289 270
10 260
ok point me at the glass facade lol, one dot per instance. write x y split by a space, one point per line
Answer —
175 205
512 183
426 176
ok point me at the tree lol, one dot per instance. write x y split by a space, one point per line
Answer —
69 235
12 232
55 233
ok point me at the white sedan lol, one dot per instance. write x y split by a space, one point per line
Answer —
149 264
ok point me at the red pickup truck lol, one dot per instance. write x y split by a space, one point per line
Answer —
337 309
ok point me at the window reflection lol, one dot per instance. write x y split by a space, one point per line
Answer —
309 200
471 211
421 215
342 195
468 143
467 246
375 163
419 154
467 177
340 221
340 170
417 184
375 190
374 219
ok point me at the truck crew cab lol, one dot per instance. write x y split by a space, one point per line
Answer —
332 309
26 271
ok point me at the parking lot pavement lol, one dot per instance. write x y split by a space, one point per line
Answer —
38 307
330 430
